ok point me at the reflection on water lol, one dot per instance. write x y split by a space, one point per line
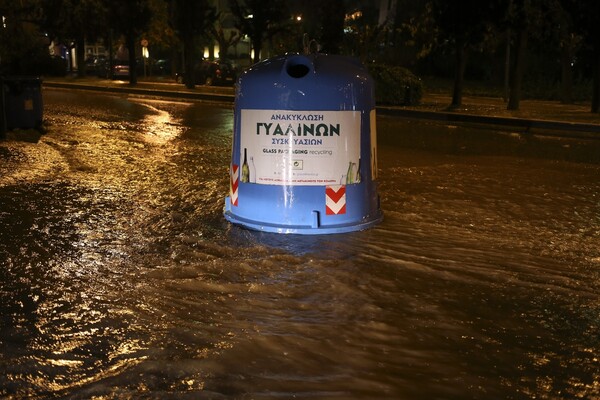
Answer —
160 125
120 278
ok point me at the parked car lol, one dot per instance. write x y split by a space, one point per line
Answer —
216 72
94 63
161 67
120 69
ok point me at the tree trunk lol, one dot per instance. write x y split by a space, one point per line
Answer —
507 67
518 70
459 77
596 84
211 51
132 61
188 61
257 45
80 51
566 81
111 55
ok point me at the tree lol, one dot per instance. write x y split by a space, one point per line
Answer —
191 18
130 18
333 12
585 21
525 18
260 20
160 33
323 21
569 42
466 25
16 41
79 20
224 40
365 36
413 32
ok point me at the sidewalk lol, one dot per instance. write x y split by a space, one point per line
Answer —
552 117
160 87
575 119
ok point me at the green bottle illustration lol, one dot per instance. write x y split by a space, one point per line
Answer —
358 177
350 173
245 169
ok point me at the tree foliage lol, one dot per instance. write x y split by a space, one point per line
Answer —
466 25
563 34
223 38
21 43
559 39
130 18
323 22
365 37
260 20
89 20
191 19
584 14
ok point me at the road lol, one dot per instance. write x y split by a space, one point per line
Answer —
120 277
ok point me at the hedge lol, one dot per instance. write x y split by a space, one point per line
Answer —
395 85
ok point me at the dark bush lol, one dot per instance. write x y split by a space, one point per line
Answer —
56 66
395 85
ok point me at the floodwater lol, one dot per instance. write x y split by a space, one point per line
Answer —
120 278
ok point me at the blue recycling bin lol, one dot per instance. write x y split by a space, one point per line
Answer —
304 152
23 107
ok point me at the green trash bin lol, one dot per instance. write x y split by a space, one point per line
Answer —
23 107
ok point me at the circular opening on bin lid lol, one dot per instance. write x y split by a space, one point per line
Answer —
298 67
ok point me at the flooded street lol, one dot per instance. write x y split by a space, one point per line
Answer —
120 278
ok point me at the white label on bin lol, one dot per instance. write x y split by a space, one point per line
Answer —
311 148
